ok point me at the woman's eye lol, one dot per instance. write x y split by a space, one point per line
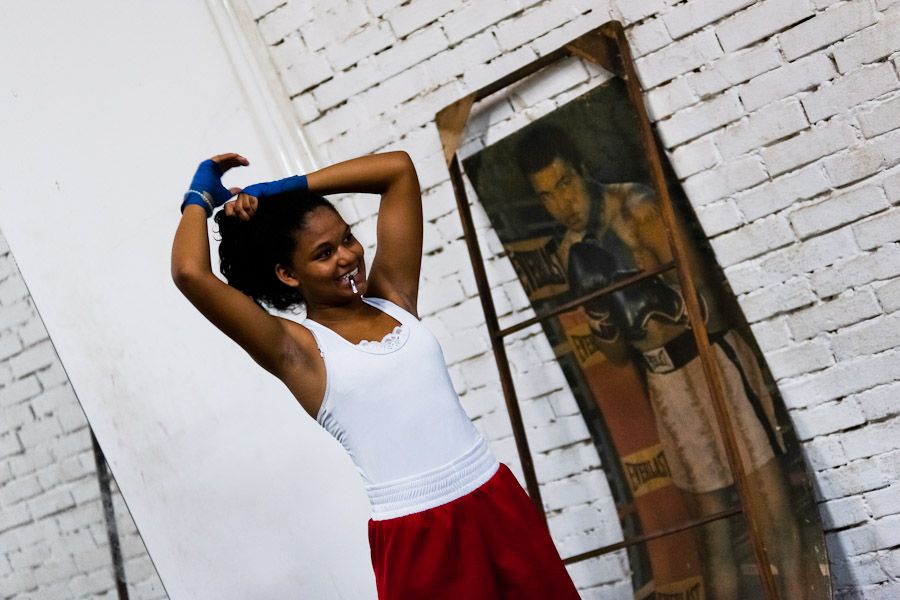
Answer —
325 254
349 238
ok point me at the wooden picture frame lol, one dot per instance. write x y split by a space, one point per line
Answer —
607 48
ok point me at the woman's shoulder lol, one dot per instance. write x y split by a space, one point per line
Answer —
303 341
304 372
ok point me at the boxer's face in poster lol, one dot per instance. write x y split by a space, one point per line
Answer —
563 193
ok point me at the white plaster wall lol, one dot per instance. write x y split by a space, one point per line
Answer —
53 539
782 119
106 109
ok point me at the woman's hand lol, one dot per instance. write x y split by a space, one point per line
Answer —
243 207
206 188
229 160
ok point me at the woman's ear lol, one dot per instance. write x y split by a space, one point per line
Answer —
286 276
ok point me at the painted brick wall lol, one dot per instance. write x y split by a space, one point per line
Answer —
370 76
782 119
53 540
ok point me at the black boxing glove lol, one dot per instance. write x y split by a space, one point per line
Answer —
592 268
652 298
626 311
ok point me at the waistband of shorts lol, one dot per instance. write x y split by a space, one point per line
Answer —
441 485
676 353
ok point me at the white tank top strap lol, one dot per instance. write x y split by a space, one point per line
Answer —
400 314
315 329
317 332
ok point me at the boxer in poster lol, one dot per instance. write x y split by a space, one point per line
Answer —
614 231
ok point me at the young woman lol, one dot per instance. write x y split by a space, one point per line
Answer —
448 521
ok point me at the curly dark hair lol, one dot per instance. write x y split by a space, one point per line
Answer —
249 250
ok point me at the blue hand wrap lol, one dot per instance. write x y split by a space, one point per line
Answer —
206 188
288 184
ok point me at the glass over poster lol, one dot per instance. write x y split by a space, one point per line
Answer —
574 205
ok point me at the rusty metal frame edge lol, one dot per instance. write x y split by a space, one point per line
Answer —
497 344
607 47
710 366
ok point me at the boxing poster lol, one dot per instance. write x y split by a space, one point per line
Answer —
572 203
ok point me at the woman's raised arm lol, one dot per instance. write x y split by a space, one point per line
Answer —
261 334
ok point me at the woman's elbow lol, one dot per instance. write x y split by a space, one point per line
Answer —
185 277
401 162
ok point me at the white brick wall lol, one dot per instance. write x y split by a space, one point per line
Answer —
822 294
53 540
387 99
781 117
870 44
827 27
760 21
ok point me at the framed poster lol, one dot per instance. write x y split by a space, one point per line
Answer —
707 473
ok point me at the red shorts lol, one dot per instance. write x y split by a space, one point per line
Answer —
491 544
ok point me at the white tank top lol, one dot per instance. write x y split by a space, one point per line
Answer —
392 405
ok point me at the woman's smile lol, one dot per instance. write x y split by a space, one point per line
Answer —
345 278
328 256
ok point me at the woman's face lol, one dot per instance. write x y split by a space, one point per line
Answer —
326 256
